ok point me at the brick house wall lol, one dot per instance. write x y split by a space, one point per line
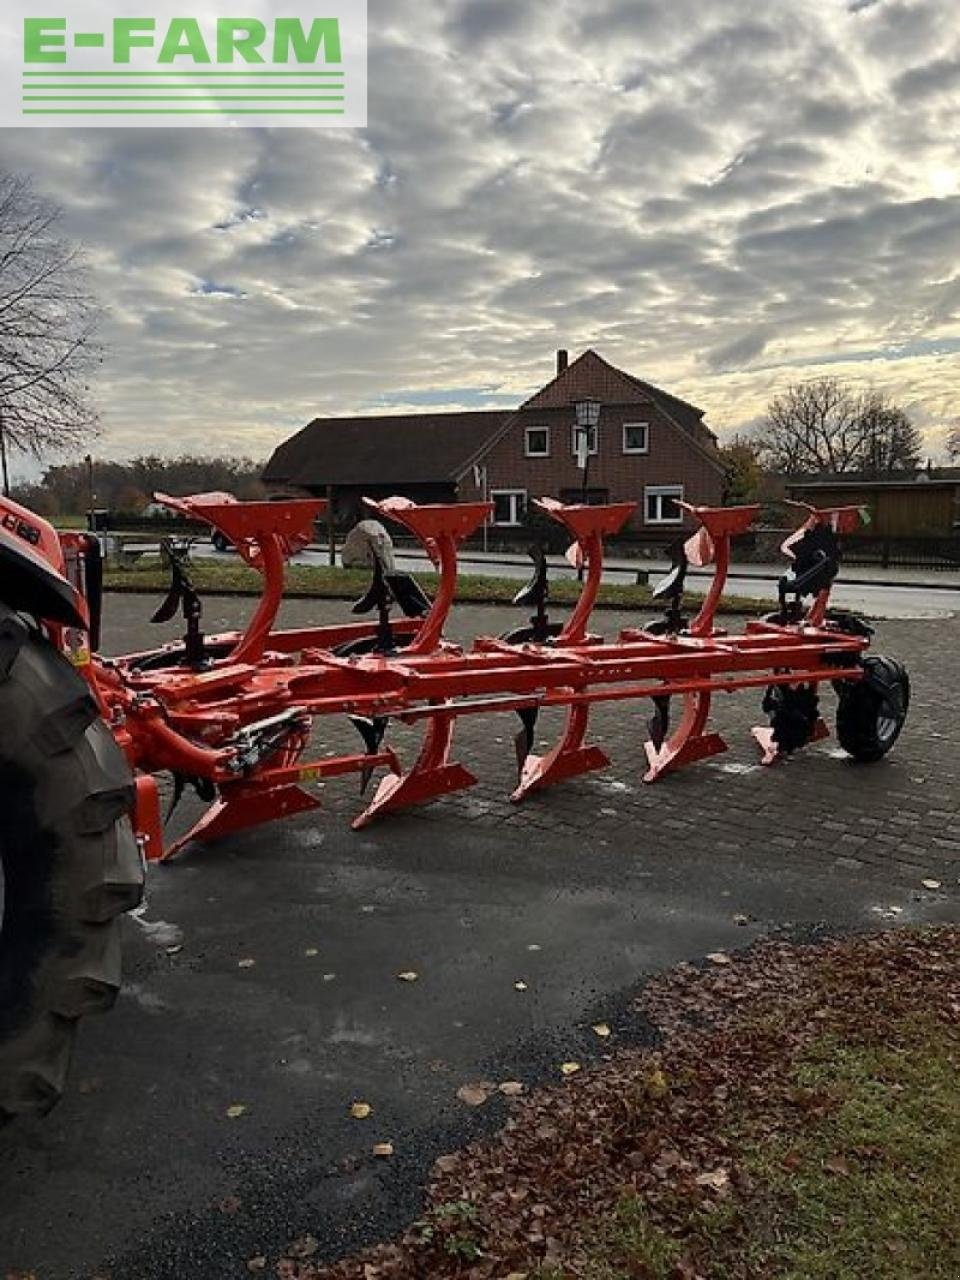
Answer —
671 460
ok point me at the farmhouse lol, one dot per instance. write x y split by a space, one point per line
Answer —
648 447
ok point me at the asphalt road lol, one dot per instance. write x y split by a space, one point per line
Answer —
141 1174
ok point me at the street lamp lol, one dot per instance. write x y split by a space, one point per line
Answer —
588 415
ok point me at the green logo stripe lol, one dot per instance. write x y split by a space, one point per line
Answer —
228 74
183 111
91 91
179 97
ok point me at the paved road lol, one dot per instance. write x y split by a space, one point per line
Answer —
140 1173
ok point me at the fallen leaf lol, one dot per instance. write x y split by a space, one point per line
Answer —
718 957
383 1149
741 919
475 1095
329 977
602 1030
656 1084
836 1164
569 1068
511 1088
408 976
175 951
360 1110
235 1110
519 986
717 1180
932 884
246 964
447 1164
311 952
534 946
259 1263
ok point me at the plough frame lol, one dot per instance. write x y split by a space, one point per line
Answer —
237 723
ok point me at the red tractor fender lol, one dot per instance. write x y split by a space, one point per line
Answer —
32 578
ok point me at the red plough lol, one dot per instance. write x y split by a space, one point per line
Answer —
231 715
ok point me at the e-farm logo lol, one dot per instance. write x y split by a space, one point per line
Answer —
279 64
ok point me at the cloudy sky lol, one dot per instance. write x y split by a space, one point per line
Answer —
720 203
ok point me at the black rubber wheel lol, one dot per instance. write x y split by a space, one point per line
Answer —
69 865
221 542
872 712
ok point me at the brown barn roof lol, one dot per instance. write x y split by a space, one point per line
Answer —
416 448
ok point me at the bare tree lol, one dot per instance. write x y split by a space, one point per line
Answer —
48 323
825 427
891 442
953 442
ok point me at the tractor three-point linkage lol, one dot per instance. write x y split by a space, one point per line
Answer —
231 715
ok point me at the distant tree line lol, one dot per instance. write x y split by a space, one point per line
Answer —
823 428
128 487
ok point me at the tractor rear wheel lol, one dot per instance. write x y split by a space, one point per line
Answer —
872 711
69 864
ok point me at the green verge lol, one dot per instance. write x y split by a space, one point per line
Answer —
215 577
858 1177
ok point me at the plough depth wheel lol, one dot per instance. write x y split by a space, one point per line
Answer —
69 865
872 712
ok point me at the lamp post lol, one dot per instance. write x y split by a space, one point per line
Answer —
588 416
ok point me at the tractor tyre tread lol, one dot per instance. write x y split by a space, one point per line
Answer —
70 865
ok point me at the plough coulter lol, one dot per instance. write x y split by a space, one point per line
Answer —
231 715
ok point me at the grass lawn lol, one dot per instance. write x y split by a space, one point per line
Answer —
798 1120
860 1180
233 577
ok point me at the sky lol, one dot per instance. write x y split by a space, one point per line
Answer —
718 200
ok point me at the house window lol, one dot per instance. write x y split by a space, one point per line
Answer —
660 503
537 442
509 506
593 440
636 437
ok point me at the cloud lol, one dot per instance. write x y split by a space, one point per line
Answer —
717 201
